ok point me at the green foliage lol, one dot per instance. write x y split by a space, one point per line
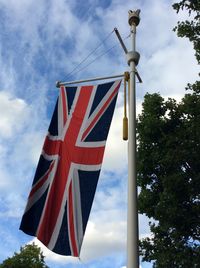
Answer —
168 166
190 28
30 256
169 174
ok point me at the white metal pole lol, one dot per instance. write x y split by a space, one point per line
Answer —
132 220
58 83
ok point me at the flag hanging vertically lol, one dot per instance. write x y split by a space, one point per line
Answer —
65 181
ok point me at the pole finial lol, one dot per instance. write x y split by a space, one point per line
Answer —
134 17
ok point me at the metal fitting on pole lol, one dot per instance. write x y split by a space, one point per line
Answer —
57 84
134 17
133 56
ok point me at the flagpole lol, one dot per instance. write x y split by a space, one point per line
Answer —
132 217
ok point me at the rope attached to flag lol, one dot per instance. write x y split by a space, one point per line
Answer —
125 119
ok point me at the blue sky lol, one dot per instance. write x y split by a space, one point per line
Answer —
42 42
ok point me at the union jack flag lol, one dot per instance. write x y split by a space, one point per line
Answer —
66 177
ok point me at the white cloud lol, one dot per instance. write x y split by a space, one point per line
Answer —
12 205
61 20
5 182
20 144
169 72
103 239
14 112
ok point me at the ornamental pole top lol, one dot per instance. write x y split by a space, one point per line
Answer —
134 17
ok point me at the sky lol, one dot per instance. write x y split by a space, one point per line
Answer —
42 42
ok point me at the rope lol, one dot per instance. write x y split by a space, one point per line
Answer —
94 60
92 52
125 119
98 57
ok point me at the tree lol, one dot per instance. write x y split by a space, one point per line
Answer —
169 170
169 175
190 28
30 256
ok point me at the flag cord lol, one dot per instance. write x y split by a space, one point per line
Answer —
92 52
95 59
125 119
76 69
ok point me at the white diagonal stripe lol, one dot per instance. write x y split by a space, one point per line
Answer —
37 195
58 224
60 114
88 121
78 224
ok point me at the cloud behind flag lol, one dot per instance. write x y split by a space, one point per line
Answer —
67 174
